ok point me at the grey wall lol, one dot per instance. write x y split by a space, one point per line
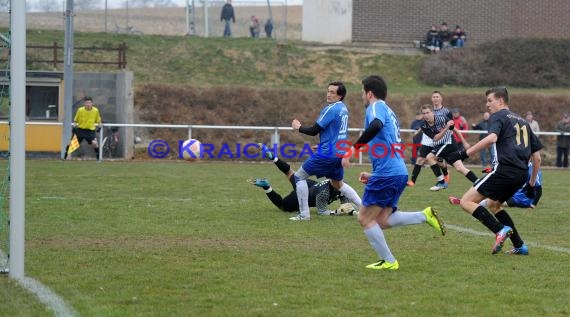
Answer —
112 93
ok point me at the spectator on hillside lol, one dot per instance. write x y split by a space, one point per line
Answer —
417 139
268 28
458 37
254 27
483 126
563 141
226 16
531 122
460 123
432 40
444 36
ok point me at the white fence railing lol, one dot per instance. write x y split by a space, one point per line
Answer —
275 131
275 138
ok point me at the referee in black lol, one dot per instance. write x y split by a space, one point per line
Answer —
515 144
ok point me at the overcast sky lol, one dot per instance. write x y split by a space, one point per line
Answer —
121 3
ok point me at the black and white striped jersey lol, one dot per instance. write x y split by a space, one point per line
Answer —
438 125
444 112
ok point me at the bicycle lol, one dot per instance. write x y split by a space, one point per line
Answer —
111 143
127 30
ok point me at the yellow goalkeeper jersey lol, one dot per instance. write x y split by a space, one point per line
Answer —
87 119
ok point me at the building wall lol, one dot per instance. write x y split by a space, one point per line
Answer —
327 21
407 20
112 93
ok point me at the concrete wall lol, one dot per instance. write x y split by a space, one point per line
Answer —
327 21
407 20
112 93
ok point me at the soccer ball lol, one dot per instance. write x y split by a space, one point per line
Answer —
194 146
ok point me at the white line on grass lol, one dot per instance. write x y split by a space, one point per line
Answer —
58 305
488 234
45 295
107 198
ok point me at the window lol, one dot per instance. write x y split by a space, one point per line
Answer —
42 102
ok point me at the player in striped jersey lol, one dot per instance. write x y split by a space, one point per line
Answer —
440 130
440 110
427 142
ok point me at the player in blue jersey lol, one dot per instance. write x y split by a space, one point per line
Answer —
332 127
389 174
521 198
515 145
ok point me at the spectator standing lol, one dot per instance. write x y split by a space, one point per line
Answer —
254 27
226 16
460 124
458 37
531 122
432 40
444 36
563 141
483 125
268 28
417 139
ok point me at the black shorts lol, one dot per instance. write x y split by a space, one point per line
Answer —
424 150
502 183
87 135
443 151
290 203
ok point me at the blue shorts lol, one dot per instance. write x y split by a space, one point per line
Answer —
520 200
384 191
329 167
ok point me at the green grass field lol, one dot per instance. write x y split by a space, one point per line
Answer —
194 239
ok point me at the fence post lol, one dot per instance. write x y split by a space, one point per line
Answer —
55 54
275 137
122 55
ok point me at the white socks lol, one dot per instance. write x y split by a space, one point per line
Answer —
378 243
351 194
400 218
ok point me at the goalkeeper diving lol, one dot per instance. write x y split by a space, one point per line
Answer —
321 193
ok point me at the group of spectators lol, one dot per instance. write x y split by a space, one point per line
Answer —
228 17
443 38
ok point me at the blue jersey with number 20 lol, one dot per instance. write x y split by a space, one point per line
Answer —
333 119
385 161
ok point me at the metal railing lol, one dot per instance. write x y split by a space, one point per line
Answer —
275 131
53 54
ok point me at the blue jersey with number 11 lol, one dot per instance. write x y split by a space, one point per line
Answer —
333 120
385 161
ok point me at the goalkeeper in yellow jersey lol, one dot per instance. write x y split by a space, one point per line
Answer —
86 122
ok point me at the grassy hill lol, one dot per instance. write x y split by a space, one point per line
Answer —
257 63
238 61
180 79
